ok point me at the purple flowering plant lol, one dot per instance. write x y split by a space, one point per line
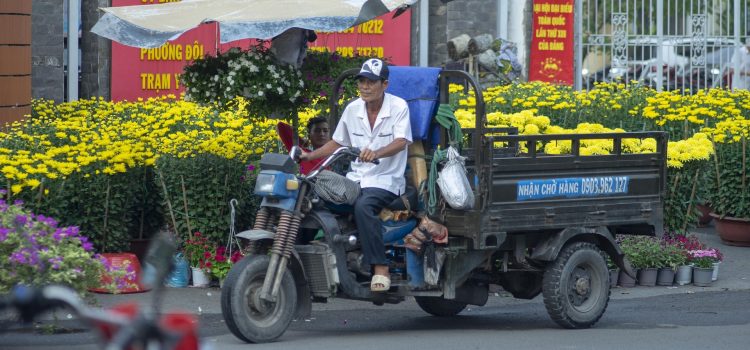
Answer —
35 251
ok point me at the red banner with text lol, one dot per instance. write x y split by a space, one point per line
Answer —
551 57
384 36
142 73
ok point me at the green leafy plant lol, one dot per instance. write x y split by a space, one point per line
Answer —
642 251
672 256
197 191
730 180
683 194
272 88
320 70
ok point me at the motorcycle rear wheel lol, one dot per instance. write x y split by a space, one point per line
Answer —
249 317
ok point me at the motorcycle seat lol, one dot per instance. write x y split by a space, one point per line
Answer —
407 201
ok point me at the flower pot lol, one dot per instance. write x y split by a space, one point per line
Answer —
625 281
200 277
613 277
705 216
684 275
733 231
715 274
665 276
122 261
702 276
647 277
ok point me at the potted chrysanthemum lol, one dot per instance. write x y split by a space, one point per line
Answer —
729 182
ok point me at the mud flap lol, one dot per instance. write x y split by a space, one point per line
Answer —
549 249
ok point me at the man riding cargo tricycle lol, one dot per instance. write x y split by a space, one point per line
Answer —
534 222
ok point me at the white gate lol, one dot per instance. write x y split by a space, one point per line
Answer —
681 45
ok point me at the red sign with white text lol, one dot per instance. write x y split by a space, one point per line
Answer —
142 73
551 57
384 36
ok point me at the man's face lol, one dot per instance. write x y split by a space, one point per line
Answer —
320 134
371 90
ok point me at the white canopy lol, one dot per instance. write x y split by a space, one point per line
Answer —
152 25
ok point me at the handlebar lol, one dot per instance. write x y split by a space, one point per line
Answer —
141 329
340 152
32 302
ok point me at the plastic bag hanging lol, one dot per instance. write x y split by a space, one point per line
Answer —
454 186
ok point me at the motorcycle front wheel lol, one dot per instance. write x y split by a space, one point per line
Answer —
249 317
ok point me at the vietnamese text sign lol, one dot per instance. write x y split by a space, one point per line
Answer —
551 57
142 73
384 36
572 187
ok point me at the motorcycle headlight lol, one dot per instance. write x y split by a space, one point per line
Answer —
264 183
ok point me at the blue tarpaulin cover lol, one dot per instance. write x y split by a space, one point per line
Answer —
419 87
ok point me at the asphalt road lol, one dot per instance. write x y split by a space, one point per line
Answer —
684 317
704 320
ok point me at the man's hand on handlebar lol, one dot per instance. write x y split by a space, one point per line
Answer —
367 155
303 156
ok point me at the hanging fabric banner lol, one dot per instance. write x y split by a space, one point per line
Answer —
552 51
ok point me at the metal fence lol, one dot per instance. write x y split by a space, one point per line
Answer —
682 45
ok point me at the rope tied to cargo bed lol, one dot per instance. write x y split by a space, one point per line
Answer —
447 119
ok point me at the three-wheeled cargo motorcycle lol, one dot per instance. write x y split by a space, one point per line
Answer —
540 223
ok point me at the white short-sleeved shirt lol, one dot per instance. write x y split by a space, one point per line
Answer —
392 122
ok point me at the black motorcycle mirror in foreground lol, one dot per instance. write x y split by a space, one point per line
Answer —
125 326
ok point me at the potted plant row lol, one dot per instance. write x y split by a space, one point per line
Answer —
666 261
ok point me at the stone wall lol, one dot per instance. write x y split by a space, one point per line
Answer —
448 20
471 17
96 60
47 45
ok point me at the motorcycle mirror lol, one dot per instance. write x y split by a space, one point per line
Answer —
158 262
294 153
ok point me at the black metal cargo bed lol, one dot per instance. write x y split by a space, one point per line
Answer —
533 192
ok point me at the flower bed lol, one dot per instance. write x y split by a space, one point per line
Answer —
122 170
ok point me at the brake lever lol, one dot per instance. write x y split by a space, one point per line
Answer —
295 153
356 151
